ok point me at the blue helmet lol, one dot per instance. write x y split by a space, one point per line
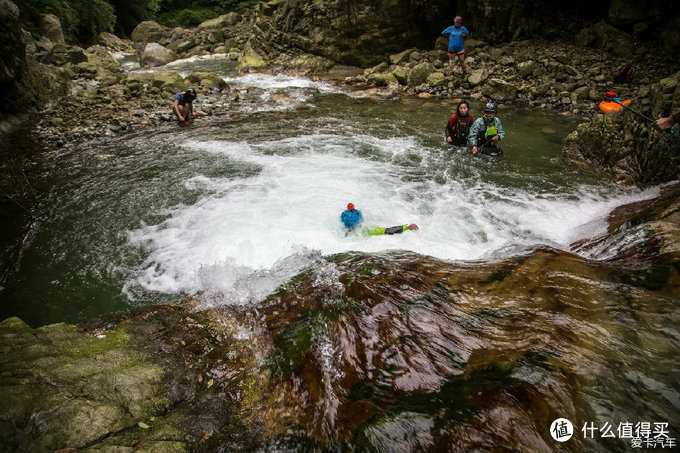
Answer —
351 218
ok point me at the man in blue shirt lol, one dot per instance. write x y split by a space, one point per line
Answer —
456 34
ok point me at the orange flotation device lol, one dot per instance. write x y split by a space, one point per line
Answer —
612 106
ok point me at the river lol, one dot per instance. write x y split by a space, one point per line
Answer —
233 206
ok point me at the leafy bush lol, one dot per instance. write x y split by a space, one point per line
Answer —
186 17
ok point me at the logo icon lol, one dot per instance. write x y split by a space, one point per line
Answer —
561 430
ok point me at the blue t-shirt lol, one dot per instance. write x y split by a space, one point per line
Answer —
455 37
180 97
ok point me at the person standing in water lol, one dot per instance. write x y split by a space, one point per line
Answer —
456 34
459 125
487 131
352 218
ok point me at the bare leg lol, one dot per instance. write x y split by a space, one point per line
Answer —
461 58
451 60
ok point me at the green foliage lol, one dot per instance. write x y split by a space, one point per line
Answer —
81 20
187 13
129 13
186 17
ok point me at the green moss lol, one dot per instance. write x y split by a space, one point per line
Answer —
300 335
287 287
654 278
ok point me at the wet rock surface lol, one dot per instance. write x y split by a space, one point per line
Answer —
367 352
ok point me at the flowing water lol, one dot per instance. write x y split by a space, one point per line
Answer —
232 207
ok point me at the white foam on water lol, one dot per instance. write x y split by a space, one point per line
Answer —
273 82
186 66
246 236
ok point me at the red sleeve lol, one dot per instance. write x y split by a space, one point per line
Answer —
452 120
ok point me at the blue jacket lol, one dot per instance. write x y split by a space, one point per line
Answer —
456 35
479 125
351 219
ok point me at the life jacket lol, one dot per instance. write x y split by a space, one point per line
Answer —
625 75
460 128
484 135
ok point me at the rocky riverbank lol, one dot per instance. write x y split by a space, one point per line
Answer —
105 100
391 342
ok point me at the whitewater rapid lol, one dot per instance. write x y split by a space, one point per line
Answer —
244 236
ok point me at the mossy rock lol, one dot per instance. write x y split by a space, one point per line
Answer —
400 74
148 31
382 79
436 79
249 58
207 80
65 389
419 73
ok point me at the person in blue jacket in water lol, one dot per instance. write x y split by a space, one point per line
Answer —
486 132
351 218
456 34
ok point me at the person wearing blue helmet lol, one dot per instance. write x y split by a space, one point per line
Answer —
351 218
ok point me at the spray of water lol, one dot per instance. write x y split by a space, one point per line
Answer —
245 236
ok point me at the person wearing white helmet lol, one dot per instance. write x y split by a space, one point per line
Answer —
487 131
456 33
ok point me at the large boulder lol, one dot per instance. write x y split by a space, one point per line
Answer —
156 55
51 28
168 82
224 21
380 79
419 73
249 58
148 31
478 76
608 38
113 42
670 36
499 90
436 79
207 80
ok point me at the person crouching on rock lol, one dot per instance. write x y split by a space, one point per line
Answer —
183 107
